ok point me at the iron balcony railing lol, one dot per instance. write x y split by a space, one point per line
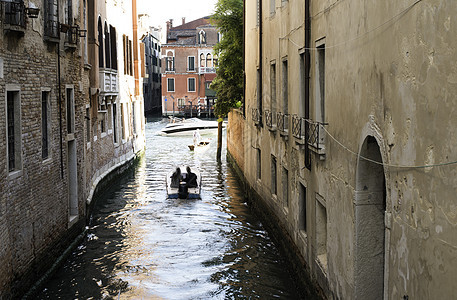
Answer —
282 120
14 13
72 35
311 132
255 115
269 118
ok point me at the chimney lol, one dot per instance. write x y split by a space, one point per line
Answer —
183 20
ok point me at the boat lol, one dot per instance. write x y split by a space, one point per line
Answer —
188 126
200 146
181 192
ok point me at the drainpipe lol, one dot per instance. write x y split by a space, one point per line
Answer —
307 79
244 56
260 64
59 84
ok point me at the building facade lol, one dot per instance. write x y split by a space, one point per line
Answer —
348 140
152 86
71 116
189 67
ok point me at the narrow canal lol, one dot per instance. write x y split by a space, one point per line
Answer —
142 245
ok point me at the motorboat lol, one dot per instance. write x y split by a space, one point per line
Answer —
183 190
200 146
188 126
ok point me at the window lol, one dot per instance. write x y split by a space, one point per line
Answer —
273 88
259 164
302 207
86 58
13 117
285 87
14 12
51 19
285 186
274 188
320 77
134 118
170 84
87 118
123 129
209 61
70 111
321 230
202 60
101 59
128 65
191 63
45 123
272 7
191 84
202 37
181 102
107 47
115 137
113 48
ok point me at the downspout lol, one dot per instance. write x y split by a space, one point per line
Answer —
244 57
59 85
307 80
260 65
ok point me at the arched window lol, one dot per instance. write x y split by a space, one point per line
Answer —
112 32
100 44
202 37
107 47
202 60
209 63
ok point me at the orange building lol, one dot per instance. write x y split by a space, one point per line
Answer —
189 65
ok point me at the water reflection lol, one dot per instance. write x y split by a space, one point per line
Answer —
142 245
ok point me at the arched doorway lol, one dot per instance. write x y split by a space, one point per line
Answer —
370 208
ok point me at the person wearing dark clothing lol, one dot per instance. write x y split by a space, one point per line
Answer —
176 178
191 178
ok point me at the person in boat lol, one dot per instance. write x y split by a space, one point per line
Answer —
197 137
176 178
191 178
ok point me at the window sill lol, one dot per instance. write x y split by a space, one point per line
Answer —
15 174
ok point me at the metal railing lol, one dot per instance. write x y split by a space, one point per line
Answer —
269 118
72 35
282 122
204 70
14 13
255 115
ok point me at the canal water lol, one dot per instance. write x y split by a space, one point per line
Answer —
142 245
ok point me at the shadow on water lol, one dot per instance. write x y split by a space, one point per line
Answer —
141 245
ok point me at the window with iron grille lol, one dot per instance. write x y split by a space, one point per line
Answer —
14 13
51 19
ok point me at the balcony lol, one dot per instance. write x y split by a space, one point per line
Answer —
256 116
14 16
108 81
205 70
282 120
71 36
310 133
269 122
170 69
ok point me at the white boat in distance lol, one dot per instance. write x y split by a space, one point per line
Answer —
188 126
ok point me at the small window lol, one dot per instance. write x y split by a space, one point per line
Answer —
70 111
259 164
13 118
191 63
45 124
191 84
170 85
274 189
285 186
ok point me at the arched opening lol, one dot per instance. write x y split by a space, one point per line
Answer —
107 47
370 208
100 44
209 60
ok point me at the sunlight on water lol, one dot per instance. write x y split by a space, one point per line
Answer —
142 245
